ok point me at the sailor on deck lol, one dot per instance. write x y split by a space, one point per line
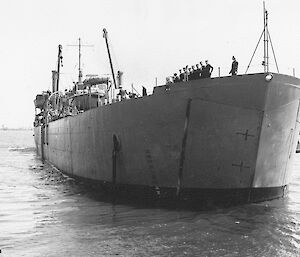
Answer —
181 75
186 73
122 93
234 66
202 72
192 73
197 72
208 70
176 78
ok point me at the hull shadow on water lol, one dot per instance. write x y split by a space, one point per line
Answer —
154 197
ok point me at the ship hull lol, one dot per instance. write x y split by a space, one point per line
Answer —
225 139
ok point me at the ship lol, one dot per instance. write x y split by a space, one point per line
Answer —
228 139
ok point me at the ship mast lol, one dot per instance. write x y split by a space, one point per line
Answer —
266 40
79 59
59 63
111 66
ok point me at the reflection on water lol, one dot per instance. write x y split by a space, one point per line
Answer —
45 213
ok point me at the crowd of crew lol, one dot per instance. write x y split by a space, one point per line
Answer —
199 71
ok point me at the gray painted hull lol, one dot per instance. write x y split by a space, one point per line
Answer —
208 135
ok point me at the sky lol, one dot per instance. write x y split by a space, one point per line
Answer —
149 39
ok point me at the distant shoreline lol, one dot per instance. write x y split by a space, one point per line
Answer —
9 129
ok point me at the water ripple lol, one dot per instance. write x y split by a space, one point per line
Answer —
46 213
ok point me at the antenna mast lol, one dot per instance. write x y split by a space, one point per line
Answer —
267 38
79 59
266 41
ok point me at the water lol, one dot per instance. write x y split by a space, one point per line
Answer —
45 213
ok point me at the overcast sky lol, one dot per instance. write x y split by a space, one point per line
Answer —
149 38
